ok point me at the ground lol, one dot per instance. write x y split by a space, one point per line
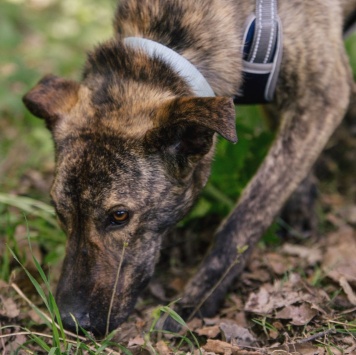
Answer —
298 292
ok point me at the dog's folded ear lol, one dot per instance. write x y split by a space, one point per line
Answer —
184 128
51 98
186 124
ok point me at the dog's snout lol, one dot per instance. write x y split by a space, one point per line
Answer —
75 319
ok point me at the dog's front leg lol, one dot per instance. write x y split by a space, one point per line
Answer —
307 124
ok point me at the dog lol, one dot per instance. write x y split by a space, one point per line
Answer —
134 140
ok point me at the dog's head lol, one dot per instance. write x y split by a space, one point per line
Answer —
133 150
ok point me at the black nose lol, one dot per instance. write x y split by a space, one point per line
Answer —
75 320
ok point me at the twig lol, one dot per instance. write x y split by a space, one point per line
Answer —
29 333
315 336
3 344
115 287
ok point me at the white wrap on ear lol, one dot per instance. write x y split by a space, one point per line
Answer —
178 63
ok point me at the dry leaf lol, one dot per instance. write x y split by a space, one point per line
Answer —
235 333
163 348
259 302
220 347
281 296
125 333
260 275
12 347
210 332
348 213
8 308
157 290
279 263
299 315
195 323
339 259
297 349
211 321
348 290
311 255
267 300
177 284
34 316
4 286
137 340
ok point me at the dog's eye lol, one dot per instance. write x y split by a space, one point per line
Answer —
119 217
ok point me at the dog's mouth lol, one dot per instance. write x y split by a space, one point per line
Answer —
94 317
82 322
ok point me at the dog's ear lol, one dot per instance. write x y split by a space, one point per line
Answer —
51 98
184 127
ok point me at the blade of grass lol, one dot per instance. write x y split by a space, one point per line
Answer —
175 316
30 205
125 244
53 308
51 305
40 342
44 298
33 280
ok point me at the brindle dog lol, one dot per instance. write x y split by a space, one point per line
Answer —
134 144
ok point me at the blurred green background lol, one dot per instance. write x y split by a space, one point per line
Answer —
38 37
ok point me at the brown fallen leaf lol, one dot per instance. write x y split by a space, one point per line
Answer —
279 264
280 298
339 259
163 348
297 349
12 347
311 254
259 302
233 333
220 347
211 321
210 332
157 290
8 308
348 213
125 333
267 299
195 323
4 286
137 340
299 315
348 290
35 317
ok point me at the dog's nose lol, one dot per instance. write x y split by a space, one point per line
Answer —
75 320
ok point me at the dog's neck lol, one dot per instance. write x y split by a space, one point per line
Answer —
208 34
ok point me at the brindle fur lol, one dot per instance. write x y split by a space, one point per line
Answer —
131 136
